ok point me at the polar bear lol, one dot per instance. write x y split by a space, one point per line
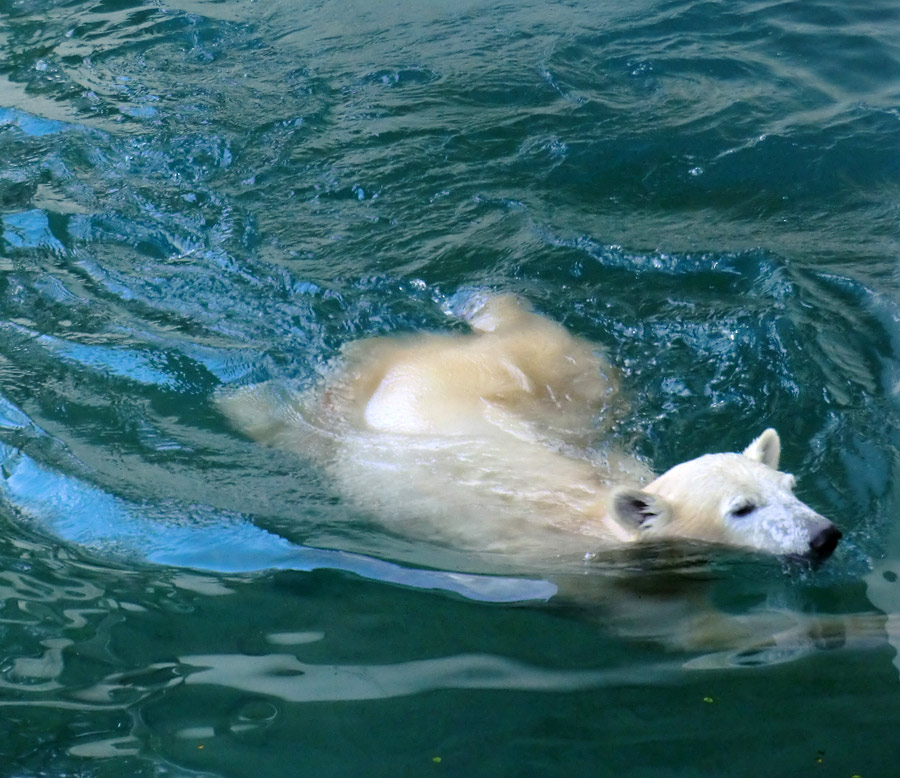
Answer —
480 440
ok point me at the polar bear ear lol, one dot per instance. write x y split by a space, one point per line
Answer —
766 449
636 509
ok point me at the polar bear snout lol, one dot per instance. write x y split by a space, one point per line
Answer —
825 542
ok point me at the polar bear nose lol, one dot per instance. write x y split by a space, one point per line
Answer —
824 544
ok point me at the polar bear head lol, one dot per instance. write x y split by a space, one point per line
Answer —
733 499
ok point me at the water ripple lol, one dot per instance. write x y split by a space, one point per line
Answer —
195 194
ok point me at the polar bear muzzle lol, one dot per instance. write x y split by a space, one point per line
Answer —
823 545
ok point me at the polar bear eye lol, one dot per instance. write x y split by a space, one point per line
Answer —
743 510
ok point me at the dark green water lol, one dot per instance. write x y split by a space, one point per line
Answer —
201 194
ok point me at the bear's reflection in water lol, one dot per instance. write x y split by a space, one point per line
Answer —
721 607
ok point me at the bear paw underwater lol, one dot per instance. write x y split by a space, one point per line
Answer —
479 440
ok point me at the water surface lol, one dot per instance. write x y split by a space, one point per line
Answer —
198 195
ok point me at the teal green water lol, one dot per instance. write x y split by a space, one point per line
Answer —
199 194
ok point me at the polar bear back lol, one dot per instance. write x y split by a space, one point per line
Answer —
515 368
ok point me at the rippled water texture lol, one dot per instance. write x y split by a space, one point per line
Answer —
198 195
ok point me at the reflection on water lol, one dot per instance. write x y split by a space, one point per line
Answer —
284 677
195 537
